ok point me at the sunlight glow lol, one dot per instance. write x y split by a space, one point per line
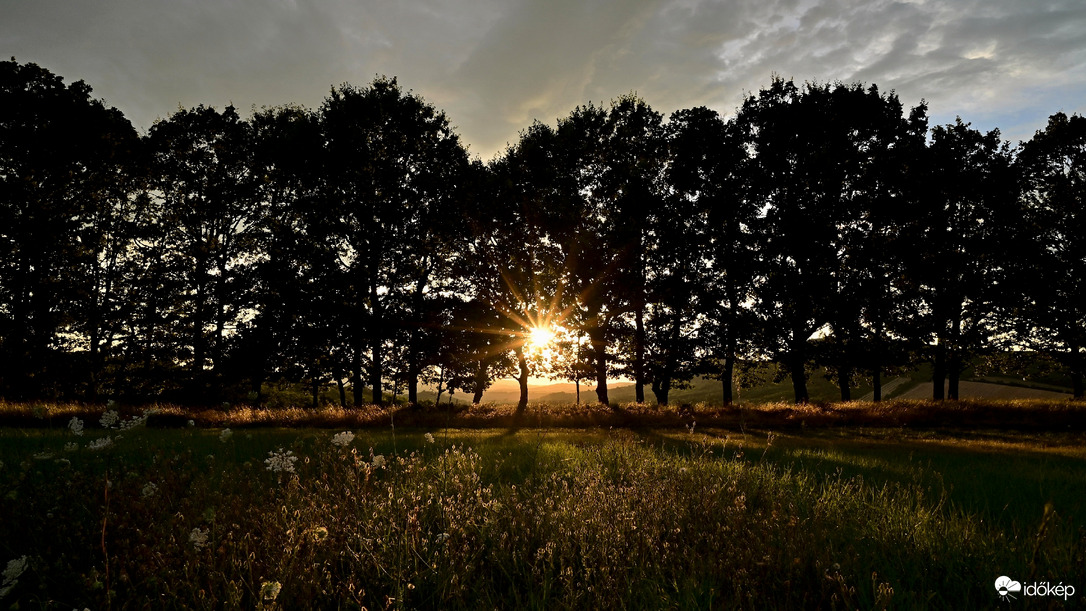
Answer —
540 337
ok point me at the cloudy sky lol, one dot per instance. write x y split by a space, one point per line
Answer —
495 66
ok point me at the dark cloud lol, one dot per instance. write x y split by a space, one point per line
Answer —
494 66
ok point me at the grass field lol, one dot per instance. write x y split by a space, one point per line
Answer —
672 510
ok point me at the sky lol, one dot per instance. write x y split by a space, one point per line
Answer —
496 66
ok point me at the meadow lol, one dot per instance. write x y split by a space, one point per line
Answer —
902 506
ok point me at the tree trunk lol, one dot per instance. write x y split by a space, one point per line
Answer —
375 371
954 372
522 363
577 383
316 392
799 377
639 355
599 357
480 381
661 388
726 377
844 382
342 391
938 372
356 384
412 379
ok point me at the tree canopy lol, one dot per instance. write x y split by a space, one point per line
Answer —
359 246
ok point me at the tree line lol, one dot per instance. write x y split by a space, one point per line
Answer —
359 245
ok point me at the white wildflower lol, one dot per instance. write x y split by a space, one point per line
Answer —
225 435
12 573
14 569
133 422
378 461
109 419
343 439
43 456
76 426
441 538
192 422
198 537
269 590
429 438
282 460
100 444
71 446
149 490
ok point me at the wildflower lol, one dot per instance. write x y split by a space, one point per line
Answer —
76 426
43 456
378 461
149 490
12 573
441 538
429 438
343 439
225 435
133 422
198 537
282 460
100 444
319 533
192 422
109 419
269 590
71 446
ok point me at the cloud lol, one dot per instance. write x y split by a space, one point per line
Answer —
494 66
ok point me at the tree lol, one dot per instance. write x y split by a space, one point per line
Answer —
631 189
207 206
517 257
65 213
710 228
796 180
1053 275
969 208
392 164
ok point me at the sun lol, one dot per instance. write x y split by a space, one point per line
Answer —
540 337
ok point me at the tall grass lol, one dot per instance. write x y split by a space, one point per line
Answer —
491 519
1018 415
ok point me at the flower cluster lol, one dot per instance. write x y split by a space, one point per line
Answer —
109 419
378 461
343 439
12 572
76 426
100 444
225 435
149 490
282 460
198 537
429 437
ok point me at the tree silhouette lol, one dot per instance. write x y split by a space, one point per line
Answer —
64 215
1053 169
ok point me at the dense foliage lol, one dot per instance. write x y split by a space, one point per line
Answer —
359 245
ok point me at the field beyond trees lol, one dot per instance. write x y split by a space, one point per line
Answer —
904 505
